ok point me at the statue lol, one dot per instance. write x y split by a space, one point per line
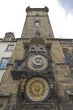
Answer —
21 87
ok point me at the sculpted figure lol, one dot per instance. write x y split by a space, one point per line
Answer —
21 86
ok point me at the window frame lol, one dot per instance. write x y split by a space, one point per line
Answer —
7 50
37 21
37 47
1 68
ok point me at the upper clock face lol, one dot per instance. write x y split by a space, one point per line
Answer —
37 62
37 89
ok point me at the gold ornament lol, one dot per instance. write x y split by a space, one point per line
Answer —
37 89
22 84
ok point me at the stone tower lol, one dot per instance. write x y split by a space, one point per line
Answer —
39 75
37 83
37 22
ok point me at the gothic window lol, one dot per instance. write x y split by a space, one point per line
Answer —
37 33
4 63
68 57
10 48
19 67
37 23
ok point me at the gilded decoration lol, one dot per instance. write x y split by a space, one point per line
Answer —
37 89
37 62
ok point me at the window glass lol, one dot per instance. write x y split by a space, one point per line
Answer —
41 48
37 48
4 63
37 23
10 48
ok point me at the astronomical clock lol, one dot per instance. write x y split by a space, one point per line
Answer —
37 89
36 79
37 62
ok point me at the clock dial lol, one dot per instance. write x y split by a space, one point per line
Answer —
37 89
37 62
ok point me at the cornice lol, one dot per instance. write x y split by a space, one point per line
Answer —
37 9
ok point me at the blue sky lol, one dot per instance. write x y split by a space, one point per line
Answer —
12 16
67 5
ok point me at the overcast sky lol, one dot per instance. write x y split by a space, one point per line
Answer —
12 16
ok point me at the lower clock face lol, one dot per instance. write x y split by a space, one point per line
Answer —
37 62
37 89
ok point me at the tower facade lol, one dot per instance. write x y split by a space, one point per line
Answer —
37 23
39 75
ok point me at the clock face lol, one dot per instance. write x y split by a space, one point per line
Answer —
37 62
37 89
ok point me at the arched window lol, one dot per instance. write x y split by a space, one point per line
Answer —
37 23
68 57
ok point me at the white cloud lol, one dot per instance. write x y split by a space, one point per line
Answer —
12 17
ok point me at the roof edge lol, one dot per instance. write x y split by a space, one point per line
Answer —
46 9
